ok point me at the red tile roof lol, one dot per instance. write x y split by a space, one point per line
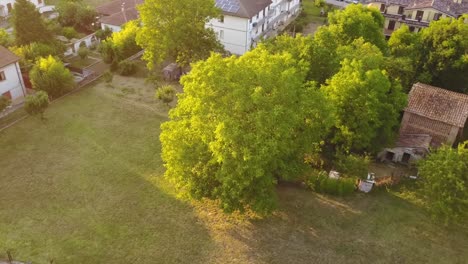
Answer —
7 57
414 141
438 104
116 6
118 19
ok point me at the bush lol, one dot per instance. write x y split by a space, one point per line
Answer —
5 38
127 68
83 52
4 102
352 165
29 54
51 76
104 34
36 104
69 32
108 76
106 48
318 181
166 94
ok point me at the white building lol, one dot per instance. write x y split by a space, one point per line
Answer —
7 5
246 22
11 80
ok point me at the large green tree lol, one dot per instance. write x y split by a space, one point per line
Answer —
445 53
77 14
241 124
28 25
367 107
444 176
51 76
176 30
345 26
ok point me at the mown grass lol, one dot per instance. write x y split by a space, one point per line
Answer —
86 186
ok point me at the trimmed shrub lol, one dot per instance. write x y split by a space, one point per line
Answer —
83 52
352 165
4 103
69 32
318 181
36 104
166 94
126 68
108 76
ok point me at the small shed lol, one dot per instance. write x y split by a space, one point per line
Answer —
408 149
172 72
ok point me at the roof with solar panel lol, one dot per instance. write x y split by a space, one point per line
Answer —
242 8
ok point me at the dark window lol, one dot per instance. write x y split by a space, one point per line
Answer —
382 7
406 158
419 15
411 29
2 76
221 19
263 12
400 10
437 16
391 25
389 156
258 15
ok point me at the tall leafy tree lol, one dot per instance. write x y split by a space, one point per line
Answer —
177 30
345 26
445 53
28 25
77 14
241 124
444 176
367 107
51 76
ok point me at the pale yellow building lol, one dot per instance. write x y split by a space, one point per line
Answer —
417 14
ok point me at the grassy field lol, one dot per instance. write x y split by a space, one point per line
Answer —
85 186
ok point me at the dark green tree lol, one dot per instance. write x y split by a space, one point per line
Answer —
36 104
28 25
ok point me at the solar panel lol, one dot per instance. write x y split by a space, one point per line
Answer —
231 6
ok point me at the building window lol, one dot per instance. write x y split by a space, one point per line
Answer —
258 15
2 76
221 34
400 10
419 15
391 25
411 29
221 19
382 7
437 16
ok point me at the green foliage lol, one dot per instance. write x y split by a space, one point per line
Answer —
368 106
28 25
176 30
104 34
4 102
241 124
108 76
166 94
69 32
319 3
29 54
445 57
5 38
51 76
76 14
83 52
444 175
122 44
36 104
319 182
352 165
126 68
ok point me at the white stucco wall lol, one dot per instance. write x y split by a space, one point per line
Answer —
13 82
112 27
232 33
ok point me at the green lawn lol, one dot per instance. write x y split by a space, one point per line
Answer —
85 186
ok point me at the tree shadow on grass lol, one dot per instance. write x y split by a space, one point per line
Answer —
375 228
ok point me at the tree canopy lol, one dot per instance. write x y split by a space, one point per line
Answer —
51 76
367 107
241 124
28 25
444 174
176 30
77 14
